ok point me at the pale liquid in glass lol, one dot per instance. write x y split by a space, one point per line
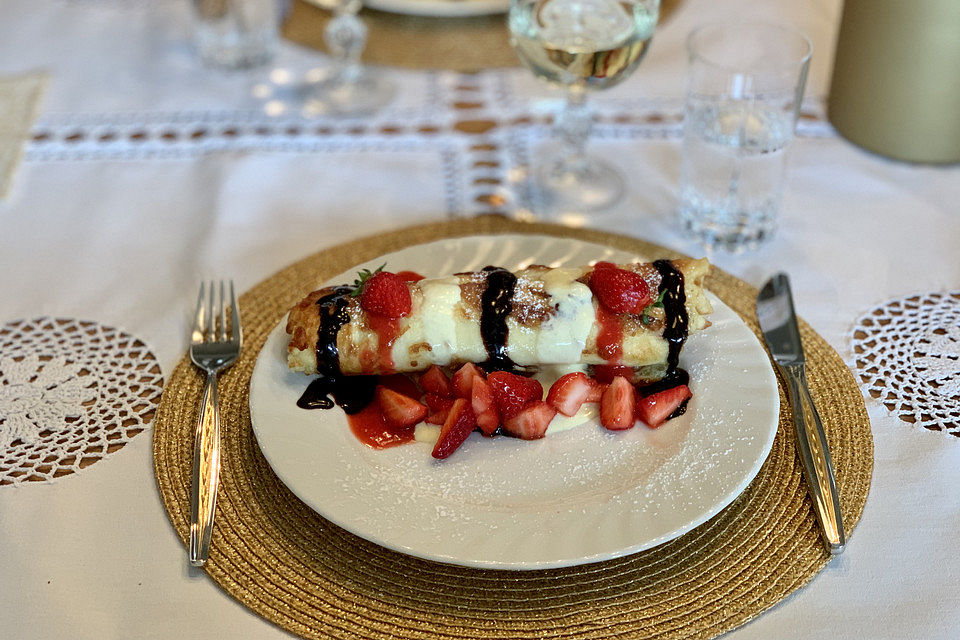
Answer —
588 43
734 158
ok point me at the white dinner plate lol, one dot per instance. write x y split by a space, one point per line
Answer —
433 8
573 497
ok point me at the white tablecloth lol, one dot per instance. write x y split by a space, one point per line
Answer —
120 231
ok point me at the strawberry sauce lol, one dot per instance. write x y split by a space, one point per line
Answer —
387 330
370 429
609 336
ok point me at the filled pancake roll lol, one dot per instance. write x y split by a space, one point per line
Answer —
635 315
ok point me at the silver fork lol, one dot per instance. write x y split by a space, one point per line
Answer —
213 349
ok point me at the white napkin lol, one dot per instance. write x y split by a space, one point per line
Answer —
19 98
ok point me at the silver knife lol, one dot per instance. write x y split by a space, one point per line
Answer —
779 324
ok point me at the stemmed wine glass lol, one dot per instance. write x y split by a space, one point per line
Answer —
580 45
349 89
353 89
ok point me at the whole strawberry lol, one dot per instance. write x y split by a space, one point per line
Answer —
619 290
385 294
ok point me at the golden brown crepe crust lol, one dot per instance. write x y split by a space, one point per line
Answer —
357 342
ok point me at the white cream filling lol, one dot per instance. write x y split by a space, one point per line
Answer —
434 322
561 338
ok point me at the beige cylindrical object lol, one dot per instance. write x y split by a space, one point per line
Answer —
896 78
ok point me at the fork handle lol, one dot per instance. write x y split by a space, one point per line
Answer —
206 473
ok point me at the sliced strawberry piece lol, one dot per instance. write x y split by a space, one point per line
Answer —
463 380
570 392
513 392
603 264
657 408
605 373
401 384
532 421
437 403
458 425
617 404
484 406
596 390
438 417
434 380
399 410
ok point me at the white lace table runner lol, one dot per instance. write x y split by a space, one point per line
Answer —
71 392
485 126
908 356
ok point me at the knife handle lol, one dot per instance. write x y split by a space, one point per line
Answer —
815 455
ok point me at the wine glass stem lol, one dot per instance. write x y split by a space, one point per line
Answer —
346 37
573 126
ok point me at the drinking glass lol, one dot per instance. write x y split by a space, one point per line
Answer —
744 89
580 45
346 88
235 34
353 89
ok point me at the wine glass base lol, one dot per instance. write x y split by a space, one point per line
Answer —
321 91
587 184
359 94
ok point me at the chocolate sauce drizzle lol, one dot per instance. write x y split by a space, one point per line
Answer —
352 393
674 309
495 306
676 328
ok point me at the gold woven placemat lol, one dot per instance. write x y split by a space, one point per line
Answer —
421 42
282 560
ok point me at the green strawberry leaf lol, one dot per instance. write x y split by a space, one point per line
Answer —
365 275
658 304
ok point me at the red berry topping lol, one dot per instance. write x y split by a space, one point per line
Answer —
617 404
437 403
399 410
605 373
604 265
462 381
459 424
386 294
437 417
401 384
620 291
596 391
485 407
657 408
513 392
532 422
410 276
435 381
570 392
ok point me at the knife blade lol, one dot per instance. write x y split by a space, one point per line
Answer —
778 322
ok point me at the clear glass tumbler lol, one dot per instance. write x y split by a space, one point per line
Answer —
235 34
744 89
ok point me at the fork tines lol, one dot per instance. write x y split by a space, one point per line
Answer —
206 327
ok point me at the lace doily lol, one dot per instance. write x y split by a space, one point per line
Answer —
908 355
71 392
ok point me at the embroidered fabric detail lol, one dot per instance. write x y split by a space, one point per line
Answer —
908 356
71 392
